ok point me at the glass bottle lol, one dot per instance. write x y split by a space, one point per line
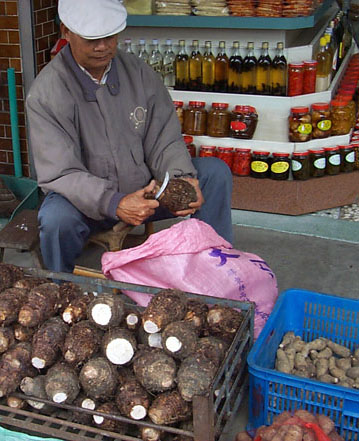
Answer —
323 75
329 49
182 67
235 70
208 64
156 59
279 72
221 69
195 67
263 71
128 46
168 70
334 43
142 53
249 70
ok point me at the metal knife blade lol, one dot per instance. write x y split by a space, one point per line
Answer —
163 186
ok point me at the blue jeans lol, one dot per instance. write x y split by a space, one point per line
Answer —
64 230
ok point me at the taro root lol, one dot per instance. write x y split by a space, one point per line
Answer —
132 319
195 376
152 340
179 339
7 338
29 282
62 383
106 310
35 387
77 309
15 364
15 402
9 274
47 342
132 399
154 369
169 408
41 304
177 196
22 333
150 433
11 300
98 378
119 345
212 348
68 292
224 321
167 306
81 342
108 423
196 314
83 402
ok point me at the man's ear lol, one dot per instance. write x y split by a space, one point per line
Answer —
64 31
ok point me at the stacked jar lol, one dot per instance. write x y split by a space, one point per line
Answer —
218 120
300 124
195 118
321 120
341 117
243 122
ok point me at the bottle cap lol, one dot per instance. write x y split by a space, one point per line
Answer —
242 150
178 103
277 154
197 103
220 105
320 106
261 153
305 153
188 139
331 149
316 151
338 103
300 109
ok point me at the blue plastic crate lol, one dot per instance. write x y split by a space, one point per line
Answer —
310 315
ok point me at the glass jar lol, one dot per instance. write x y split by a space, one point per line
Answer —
260 164
351 106
356 155
347 158
341 118
309 76
190 146
300 124
295 78
279 168
321 122
300 165
226 154
207 150
332 160
218 120
242 162
317 163
179 110
243 122
195 118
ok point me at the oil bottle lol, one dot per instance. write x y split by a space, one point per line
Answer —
142 53
263 71
221 69
168 70
249 70
182 67
208 64
322 80
279 72
195 67
235 69
156 59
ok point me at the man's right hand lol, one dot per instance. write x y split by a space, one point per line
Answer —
134 209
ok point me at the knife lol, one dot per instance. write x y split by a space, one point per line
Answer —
163 186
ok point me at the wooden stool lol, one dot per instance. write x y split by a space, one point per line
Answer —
22 234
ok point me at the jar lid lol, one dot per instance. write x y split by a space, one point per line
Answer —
316 150
301 64
259 152
345 98
197 103
305 153
178 103
188 139
320 106
220 105
208 147
242 150
244 109
310 63
300 109
331 149
343 147
338 103
225 149
277 154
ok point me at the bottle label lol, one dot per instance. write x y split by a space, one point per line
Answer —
279 167
259 166
238 126
305 129
334 159
324 125
296 165
168 69
156 67
350 157
319 163
335 59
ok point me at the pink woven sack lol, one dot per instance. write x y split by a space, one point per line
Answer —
192 257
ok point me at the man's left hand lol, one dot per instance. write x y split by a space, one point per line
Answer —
194 206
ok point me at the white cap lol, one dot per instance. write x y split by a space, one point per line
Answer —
93 19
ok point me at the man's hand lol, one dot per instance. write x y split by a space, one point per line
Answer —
194 206
134 209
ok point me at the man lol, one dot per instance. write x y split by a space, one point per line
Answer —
102 127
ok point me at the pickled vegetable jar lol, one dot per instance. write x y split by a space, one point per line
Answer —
341 117
309 76
321 122
300 165
188 139
226 154
332 155
218 120
280 166
295 78
300 124
347 158
260 164
195 118
243 123
242 162
317 163
179 110
207 150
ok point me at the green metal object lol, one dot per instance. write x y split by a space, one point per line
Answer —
14 122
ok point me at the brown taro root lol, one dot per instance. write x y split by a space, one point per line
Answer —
81 342
106 310
35 387
150 433
11 300
22 333
7 338
47 342
77 309
68 292
119 345
169 408
15 402
153 340
98 378
108 423
132 319
167 306
179 339
212 348
15 364
9 274
83 402
132 399
41 304
62 383
177 196
195 376
224 321
154 369
29 282
196 314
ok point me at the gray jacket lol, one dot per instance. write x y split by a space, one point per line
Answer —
93 144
